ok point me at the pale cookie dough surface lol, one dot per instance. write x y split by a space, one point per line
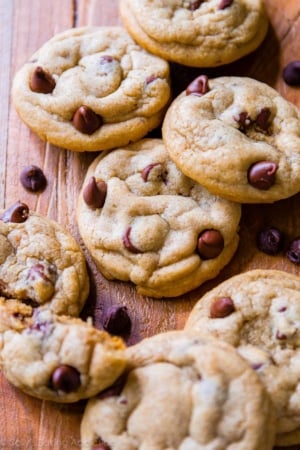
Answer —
146 231
41 264
182 391
263 323
103 69
56 358
217 137
196 33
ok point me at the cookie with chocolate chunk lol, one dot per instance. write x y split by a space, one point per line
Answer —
201 33
92 88
56 358
182 391
237 137
143 221
41 264
258 312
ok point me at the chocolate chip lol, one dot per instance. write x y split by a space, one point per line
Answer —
293 251
280 336
127 242
225 4
270 240
33 179
221 307
117 321
86 121
261 175
100 445
17 213
106 58
210 244
65 378
146 171
94 193
198 87
262 121
46 272
244 121
151 78
42 81
195 4
256 366
291 73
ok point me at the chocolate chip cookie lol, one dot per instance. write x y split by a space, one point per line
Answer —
92 88
201 33
144 221
41 264
258 312
237 137
56 358
181 391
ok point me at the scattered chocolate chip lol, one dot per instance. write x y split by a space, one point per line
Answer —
280 336
86 121
244 121
114 390
42 81
65 378
117 321
127 242
195 4
221 307
151 78
256 366
94 194
199 86
105 59
262 120
282 309
17 213
291 73
146 171
100 445
293 251
225 4
210 244
270 240
261 175
33 179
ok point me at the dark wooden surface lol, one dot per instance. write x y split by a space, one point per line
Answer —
27 423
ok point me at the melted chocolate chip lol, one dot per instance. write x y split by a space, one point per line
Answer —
151 78
261 175
106 58
127 242
270 240
42 81
86 121
262 120
280 336
198 87
17 213
46 272
210 244
293 251
225 4
65 378
33 179
195 4
244 121
146 171
291 73
221 307
94 194
117 321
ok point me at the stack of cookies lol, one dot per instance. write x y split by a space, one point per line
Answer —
163 214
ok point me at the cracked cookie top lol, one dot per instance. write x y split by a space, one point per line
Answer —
201 33
144 221
92 88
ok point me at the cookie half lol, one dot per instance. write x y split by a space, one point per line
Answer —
181 391
92 88
237 137
41 264
258 312
143 221
201 33
56 358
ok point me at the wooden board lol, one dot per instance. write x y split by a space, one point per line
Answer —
27 423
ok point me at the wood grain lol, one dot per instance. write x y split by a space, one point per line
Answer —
27 423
